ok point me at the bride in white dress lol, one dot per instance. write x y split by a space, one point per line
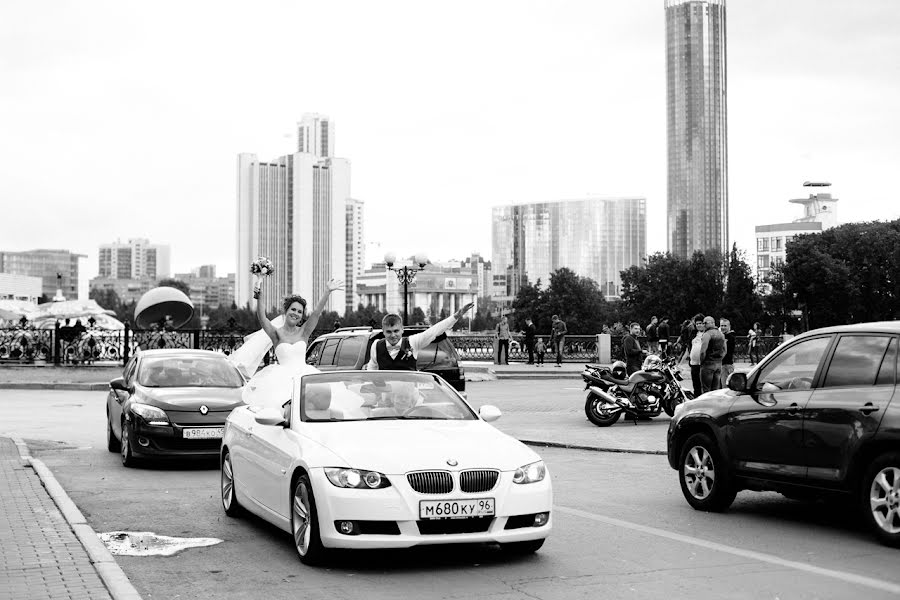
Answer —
289 334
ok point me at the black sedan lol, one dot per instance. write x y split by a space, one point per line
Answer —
171 403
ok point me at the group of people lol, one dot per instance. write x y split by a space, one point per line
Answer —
534 344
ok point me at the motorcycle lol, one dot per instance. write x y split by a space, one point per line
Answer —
643 395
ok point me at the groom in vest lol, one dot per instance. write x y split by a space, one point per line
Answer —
398 353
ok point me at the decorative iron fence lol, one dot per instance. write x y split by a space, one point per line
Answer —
92 346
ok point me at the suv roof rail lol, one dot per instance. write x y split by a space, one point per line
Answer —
359 328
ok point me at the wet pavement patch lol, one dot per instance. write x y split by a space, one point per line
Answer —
147 543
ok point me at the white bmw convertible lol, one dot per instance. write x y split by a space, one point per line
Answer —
383 459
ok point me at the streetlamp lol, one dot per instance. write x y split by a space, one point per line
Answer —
405 275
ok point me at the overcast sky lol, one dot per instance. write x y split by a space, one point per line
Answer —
124 119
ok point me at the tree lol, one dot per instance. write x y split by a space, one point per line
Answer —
527 304
741 304
106 298
577 300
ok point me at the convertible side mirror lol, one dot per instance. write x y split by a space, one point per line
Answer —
270 416
737 382
489 413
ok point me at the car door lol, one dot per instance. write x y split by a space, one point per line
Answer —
847 408
267 458
764 431
116 398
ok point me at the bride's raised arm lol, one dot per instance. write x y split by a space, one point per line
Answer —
264 321
310 325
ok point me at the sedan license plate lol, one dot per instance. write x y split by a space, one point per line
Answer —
455 509
203 433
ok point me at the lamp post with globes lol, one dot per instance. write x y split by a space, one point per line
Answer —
405 275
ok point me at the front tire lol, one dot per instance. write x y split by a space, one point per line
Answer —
128 458
705 481
880 498
229 496
305 523
670 404
598 414
521 548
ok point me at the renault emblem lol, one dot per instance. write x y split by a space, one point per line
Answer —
203 410
452 462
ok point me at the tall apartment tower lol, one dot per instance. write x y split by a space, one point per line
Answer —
356 250
135 259
697 133
594 237
293 210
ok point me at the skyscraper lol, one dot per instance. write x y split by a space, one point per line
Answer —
696 121
293 210
356 250
594 237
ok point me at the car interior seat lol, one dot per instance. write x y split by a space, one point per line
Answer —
317 400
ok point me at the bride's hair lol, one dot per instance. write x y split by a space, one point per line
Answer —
288 300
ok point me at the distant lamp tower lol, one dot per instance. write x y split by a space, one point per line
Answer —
405 275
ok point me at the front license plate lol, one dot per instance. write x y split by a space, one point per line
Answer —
203 433
455 509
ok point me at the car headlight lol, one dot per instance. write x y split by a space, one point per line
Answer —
530 473
151 414
355 478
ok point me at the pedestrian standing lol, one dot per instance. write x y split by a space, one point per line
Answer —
753 341
529 333
503 338
728 359
653 335
663 333
712 350
634 356
558 337
539 349
692 351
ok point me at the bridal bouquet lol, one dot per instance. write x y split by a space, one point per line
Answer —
262 266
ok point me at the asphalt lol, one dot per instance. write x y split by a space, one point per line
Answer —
49 550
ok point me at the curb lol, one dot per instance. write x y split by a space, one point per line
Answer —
591 448
111 574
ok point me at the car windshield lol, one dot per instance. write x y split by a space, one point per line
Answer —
379 395
194 371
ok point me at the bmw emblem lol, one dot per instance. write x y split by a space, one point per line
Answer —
203 410
452 462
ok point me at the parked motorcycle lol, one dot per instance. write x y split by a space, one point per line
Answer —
643 395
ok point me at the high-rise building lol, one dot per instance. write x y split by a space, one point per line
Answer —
293 210
356 250
697 133
58 270
594 237
135 259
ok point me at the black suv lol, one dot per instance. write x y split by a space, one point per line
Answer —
814 418
349 347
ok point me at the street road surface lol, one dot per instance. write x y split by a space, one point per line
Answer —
621 526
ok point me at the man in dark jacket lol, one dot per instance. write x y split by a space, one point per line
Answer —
653 336
663 332
728 359
634 356
712 351
529 332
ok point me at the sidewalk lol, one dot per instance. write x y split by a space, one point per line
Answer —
48 550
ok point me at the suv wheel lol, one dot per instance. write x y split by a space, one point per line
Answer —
881 498
705 481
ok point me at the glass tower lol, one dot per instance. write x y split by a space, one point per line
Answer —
696 119
594 237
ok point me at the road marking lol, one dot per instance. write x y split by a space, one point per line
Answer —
877 584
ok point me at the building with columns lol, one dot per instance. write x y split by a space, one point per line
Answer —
293 210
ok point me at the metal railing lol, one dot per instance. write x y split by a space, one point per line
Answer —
92 346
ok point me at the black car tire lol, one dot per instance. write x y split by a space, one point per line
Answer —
229 495
521 548
128 458
305 523
880 506
595 415
710 487
112 443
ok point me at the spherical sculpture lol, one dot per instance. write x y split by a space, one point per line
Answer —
160 304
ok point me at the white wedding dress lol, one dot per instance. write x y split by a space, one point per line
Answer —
273 385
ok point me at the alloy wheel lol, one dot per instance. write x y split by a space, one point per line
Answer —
227 483
699 472
884 499
301 521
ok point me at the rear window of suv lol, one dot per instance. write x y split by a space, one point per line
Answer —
862 360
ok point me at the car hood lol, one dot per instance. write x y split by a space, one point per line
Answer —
393 447
182 398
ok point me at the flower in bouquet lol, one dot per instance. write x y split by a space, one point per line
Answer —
262 266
